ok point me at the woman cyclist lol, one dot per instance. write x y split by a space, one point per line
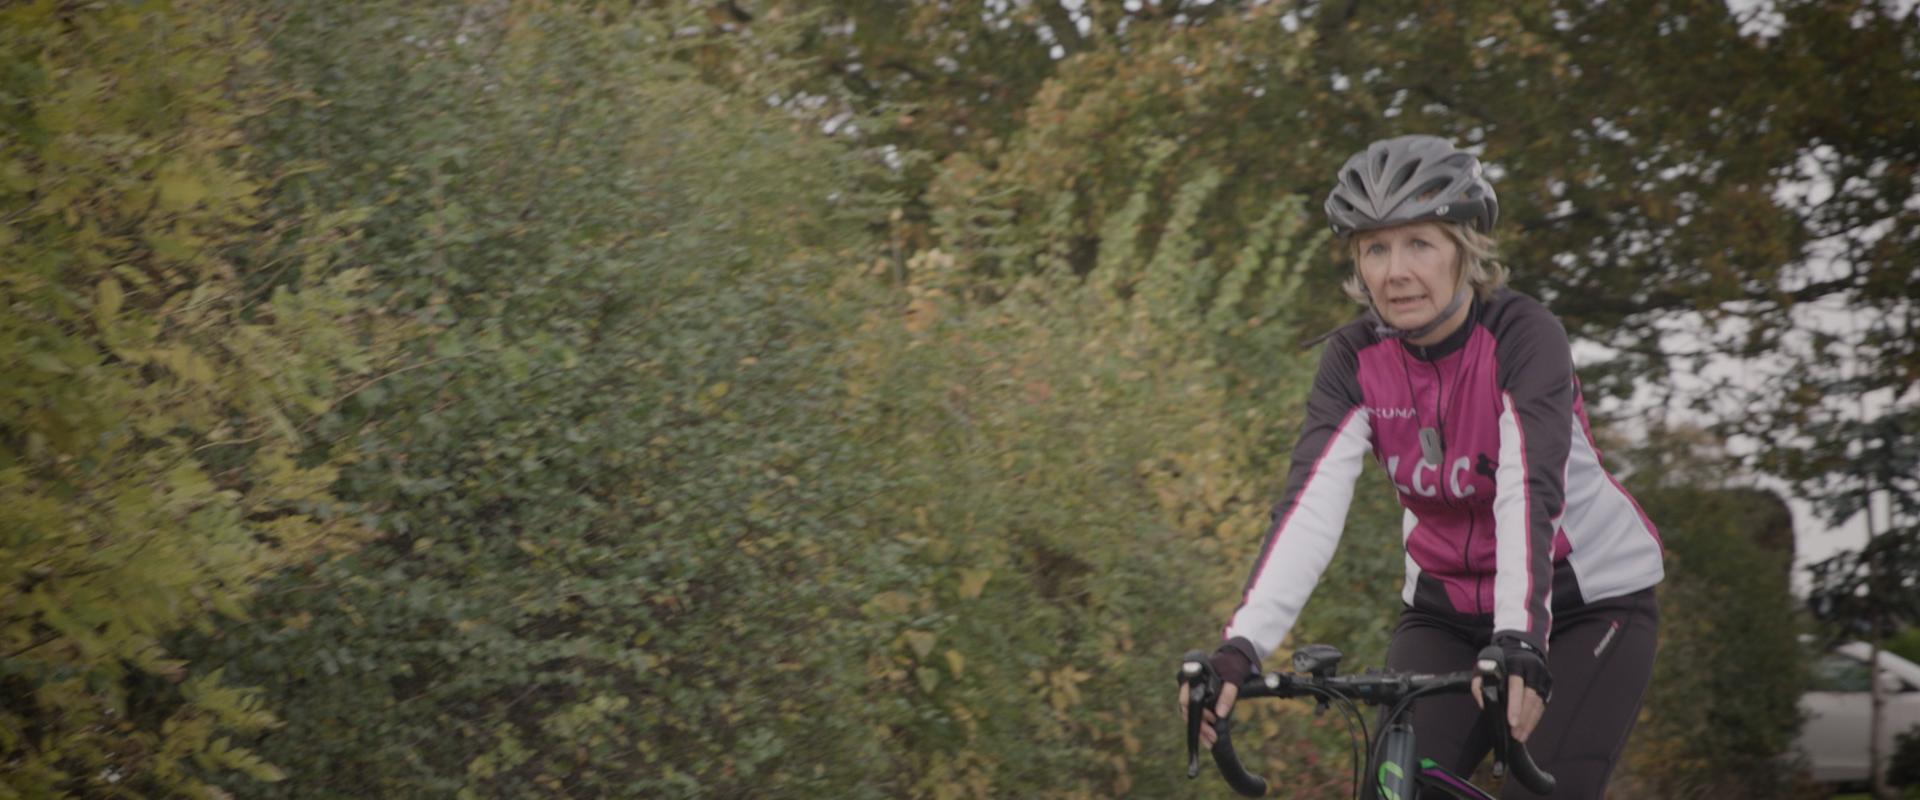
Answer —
1464 391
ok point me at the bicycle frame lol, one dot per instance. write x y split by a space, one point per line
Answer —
1390 780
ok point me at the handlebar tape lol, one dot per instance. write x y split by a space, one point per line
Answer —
1527 772
1518 760
1242 781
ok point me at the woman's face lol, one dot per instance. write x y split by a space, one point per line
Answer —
1410 270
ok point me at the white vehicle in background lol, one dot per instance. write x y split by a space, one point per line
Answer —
1838 708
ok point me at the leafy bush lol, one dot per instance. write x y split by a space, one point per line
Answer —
157 447
616 535
1728 676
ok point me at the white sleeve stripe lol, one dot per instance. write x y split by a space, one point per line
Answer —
1510 498
1306 486
1526 533
1646 522
1273 598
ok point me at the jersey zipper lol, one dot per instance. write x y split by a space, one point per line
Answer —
1466 547
1479 576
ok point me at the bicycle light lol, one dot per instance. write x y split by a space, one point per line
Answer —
1319 660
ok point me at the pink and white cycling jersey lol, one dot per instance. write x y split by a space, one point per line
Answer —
1516 516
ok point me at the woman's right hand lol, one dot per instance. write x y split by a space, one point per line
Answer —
1228 692
1231 665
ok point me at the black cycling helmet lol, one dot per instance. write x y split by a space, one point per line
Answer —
1410 179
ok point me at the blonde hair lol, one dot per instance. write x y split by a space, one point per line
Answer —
1478 254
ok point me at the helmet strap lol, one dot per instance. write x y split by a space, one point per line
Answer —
1386 331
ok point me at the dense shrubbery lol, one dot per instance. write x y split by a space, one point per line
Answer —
158 450
620 550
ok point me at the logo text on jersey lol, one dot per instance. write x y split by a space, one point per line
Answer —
1428 485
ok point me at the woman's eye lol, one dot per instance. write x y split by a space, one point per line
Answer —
1376 249
1420 244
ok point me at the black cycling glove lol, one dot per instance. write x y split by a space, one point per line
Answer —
1234 661
1522 660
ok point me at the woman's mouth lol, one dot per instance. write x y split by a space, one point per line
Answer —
1404 303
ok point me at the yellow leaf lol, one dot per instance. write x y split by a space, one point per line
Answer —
108 298
1064 688
180 191
973 582
887 603
921 642
956 662
230 606
186 363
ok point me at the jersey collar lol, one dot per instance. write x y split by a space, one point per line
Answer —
1453 342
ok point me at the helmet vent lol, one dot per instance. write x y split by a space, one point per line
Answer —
1405 174
1432 189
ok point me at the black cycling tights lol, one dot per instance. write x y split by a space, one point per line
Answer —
1601 656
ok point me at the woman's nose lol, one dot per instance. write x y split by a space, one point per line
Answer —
1397 266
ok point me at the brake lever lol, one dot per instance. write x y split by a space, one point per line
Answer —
1200 680
1493 683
